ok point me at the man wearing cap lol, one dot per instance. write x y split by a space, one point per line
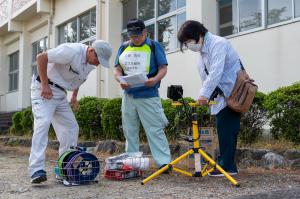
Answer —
142 104
63 68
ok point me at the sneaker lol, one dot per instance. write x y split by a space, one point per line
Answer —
217 173
38 177
166 171
232 173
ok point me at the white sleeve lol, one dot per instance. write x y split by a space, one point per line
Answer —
62 54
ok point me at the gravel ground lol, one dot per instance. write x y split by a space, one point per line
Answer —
255 183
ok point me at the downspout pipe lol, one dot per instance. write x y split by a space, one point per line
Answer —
99 28
50 21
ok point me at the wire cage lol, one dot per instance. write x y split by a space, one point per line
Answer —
76 167
126 166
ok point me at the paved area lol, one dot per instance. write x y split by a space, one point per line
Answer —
255 183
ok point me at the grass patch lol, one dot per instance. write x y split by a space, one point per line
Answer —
271 144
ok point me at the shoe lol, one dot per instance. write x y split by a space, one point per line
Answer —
217 173
232 173
166 171
38 177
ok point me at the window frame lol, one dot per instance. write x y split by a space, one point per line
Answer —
77 19
155 20
264 19
294 10
33 60
11 73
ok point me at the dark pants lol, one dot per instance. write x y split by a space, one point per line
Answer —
228 126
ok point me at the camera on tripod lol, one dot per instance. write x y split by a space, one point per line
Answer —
175 92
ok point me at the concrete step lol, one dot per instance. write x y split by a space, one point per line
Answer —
5 121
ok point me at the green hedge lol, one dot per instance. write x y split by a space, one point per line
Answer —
253 121
283 107
111 120
89 117
22 122
101 118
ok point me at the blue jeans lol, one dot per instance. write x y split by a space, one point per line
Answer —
228 126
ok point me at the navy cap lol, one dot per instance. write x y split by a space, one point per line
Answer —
135 27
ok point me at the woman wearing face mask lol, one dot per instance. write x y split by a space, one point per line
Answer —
218 66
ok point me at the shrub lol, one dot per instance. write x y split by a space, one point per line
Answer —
17 128
171 131
27 121
253 121
111 120
89 117
283 107
22 122
179 120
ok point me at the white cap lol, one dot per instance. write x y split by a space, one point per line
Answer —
103 51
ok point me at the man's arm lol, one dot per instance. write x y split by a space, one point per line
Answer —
74 102
162 71
42 62
74 95
117 73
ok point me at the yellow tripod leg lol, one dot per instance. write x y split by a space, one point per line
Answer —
182 172
160 171
212 162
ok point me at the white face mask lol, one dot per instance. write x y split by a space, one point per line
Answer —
194 47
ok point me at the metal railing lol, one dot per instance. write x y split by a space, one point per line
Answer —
18 4
3 11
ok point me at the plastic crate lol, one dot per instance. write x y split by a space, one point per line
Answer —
124 166
122 174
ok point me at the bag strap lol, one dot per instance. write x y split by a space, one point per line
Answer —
217 89
242 66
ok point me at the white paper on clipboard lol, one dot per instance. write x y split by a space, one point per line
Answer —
135 80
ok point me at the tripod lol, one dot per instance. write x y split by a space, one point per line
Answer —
197 151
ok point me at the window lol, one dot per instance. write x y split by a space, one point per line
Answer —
13 71
87 25
243 15
297 8
279 10
167 33
38 47
162 23
166 6
250 13
129 11
151 31
68 32
81 29
146 9
228 18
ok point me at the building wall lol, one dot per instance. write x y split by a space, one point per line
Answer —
113 24
10 100
64 11
182 68
271 56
